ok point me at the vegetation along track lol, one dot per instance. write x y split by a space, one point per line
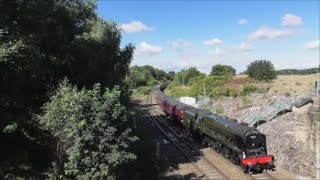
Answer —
204 168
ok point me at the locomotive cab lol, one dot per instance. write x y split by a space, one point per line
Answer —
253 140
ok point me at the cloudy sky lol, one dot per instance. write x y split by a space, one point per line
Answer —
180 34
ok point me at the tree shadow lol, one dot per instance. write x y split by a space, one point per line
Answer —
23 157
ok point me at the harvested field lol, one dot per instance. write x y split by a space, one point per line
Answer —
301 83
283 83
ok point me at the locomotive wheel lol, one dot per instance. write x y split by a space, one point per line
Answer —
245 169
204 141
235 158
226 152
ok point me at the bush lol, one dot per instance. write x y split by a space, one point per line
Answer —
248 89
261 70
92 126
263 90
220 110
212 85
229 91
179 91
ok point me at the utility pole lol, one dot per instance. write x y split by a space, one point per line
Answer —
316 120
292 87
204 90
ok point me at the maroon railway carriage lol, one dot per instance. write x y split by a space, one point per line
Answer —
161 100
179 112
170 107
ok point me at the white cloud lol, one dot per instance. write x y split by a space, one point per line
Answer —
290 20
135 26
147 49
269 33
217 52
180 44
243 21
313 44
244 47
211 42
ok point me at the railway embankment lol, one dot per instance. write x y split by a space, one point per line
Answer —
291 137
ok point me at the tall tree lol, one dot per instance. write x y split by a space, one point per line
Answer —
42 42
185 76
261 70
222 70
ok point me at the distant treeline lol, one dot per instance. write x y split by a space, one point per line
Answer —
298 71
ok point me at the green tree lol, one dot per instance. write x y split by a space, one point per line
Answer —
183 77
171 75
261 70
145 76
92 125
41 42
222 70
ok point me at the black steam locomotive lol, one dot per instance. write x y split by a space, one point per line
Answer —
238 142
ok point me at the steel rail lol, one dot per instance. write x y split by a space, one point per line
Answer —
179 141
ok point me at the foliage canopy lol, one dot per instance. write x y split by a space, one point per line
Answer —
92 128
41 43
261 70
184 77
146 75
222 70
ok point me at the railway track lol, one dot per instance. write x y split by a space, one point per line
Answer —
205 169
262 176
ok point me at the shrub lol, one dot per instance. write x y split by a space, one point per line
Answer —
248 89
228 92
263 89
235 93
178 91
92 123
219 110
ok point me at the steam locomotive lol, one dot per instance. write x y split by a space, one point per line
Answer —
242 144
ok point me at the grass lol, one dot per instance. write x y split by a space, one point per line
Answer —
301 84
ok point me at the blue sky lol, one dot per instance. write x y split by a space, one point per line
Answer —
174 35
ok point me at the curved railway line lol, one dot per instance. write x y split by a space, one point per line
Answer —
205 168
